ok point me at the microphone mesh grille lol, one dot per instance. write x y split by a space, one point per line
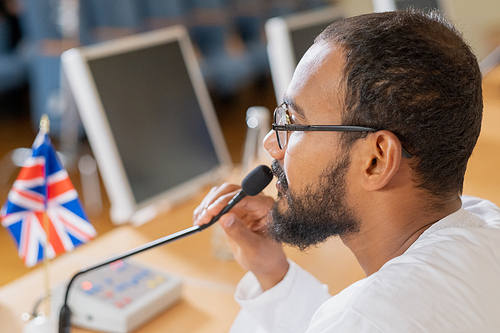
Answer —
257 180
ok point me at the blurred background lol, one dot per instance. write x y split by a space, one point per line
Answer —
230 43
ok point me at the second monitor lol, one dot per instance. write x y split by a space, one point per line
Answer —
289 37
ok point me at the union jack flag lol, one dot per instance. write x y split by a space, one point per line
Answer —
44 188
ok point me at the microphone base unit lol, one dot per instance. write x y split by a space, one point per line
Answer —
119 297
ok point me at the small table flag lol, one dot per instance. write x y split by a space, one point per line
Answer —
43 187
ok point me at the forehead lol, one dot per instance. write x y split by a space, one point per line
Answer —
316 85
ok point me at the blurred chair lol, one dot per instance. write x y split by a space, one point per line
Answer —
163 13
102 20
13 71
46 35
43 28
210 28
39 20
44 81
312 4
282 7
249 18
43 43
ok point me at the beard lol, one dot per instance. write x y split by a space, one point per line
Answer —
316 215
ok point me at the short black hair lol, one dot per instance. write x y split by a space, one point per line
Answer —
412 73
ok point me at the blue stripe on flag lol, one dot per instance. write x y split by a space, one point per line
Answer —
48 151
13 208
53 165
40 252
38 189
75 206
15 231
76 242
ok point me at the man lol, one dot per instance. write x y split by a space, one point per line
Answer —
408 91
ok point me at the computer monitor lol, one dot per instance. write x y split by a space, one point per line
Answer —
149 120
389 5
289 37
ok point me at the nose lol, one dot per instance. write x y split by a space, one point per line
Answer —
270 144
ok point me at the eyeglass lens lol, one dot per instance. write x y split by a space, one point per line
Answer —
280 118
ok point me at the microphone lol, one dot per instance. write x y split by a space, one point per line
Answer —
251 185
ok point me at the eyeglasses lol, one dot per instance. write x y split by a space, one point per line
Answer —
282 126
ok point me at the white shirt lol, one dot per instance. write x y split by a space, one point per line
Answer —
447 281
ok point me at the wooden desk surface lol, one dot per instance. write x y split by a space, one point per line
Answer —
207 304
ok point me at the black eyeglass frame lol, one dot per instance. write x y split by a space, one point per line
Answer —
322 128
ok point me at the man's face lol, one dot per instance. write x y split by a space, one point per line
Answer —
320 213
312 169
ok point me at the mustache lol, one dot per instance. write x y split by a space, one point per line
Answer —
279 173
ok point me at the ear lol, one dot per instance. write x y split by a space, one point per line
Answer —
381 159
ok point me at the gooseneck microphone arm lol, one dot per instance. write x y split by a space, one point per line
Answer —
252 185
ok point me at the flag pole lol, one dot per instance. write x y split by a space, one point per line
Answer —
45 127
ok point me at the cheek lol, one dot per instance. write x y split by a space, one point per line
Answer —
307 155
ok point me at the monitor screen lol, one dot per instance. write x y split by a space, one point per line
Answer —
150 120
289 37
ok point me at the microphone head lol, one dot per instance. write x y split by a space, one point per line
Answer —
257 180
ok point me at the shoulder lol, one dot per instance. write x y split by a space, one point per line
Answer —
482 208
447 281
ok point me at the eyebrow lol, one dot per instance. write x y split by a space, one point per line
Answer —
291 103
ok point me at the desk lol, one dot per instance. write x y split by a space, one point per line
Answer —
207 303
